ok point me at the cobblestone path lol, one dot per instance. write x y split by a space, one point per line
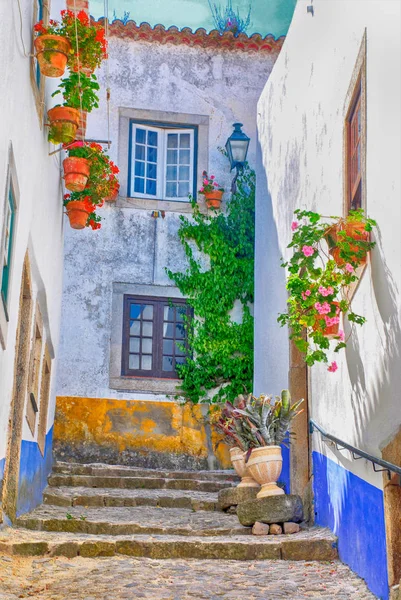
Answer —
119 578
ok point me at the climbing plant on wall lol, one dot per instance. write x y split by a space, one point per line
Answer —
220 274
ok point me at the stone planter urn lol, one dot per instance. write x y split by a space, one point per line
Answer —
264 465
238 461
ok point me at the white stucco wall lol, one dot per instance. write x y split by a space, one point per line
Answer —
300 131
39 225
132 247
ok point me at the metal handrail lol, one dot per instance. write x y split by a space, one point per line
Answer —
340 444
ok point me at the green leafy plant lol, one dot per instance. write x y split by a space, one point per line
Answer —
79 91
220 358
236 431
325 261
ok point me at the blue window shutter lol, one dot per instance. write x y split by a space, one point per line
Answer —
38 75
6 267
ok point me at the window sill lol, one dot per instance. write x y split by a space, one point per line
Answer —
162 205
142 384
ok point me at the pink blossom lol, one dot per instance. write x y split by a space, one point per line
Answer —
341 335
332 321
216 184
202 190
333 367
305 294
294 225
205 182
308 250
326 291
349 268
212 176
323 309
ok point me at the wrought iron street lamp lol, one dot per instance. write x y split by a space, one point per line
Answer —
237 147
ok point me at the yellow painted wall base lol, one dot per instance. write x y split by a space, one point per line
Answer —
129 428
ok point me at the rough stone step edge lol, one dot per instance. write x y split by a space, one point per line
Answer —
312 549
94 469
61 480
102 500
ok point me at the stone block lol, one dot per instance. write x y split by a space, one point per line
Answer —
291 528
234 496
272 509
308 549
276 529
97 548
260 529
67 549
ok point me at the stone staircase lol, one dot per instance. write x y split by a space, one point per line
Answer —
103 510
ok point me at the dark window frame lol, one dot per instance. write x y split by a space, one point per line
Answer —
158 303
354 145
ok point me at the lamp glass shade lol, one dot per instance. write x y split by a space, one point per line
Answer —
237 146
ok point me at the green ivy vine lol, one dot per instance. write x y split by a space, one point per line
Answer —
220 358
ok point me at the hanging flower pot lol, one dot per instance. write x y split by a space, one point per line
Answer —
52 54
329 326
213 199
238 461
264 465
353 229
77 213
76 173
64 122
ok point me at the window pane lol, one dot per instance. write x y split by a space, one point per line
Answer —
183 189
146 363
134 345
147 329
168 347
184 157
185 140
184 174
171 174
139 185
168 330
147 345
147 312
133 361
180 361
151 187
179 330
152 154
181 312
172 140
169 313
139 168
152 138
179 349
172 157
140 152
135 328
151 171
171 190
167 363
140 136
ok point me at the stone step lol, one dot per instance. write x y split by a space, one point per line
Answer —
82 496
132 520
129 482
314 544
105 470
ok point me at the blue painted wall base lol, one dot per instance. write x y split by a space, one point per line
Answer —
354 510
34 470
285 471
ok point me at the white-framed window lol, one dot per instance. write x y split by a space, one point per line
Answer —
162 162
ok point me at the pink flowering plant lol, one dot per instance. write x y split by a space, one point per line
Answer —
209 184
317 283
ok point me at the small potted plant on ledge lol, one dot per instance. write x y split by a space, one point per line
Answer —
212 191
326 262
270 421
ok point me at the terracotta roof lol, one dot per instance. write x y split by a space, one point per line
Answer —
198 38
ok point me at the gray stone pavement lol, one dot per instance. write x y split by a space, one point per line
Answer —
119 578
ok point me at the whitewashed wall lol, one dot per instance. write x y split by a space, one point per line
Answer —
39 226
300 132
132 247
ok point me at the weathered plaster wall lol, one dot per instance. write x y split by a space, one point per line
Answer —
132 247
39 226
300 132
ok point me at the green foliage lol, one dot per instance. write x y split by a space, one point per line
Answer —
220 362
76 85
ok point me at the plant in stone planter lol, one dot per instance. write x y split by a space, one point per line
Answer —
52 48
272 419
79 93
317 283
212 191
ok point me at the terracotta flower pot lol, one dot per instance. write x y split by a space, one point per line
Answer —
77 214
329 331
265 465
52 54
76 173
64 122
213 199
357 232
238 461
